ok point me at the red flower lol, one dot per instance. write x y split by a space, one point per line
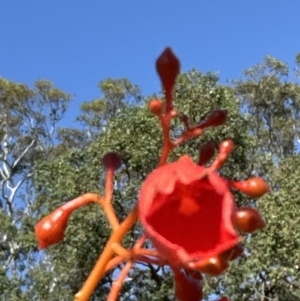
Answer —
187 211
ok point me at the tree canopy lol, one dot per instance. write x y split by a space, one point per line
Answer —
43 166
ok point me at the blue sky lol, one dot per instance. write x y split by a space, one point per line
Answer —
76 44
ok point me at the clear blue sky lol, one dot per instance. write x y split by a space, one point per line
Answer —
76 44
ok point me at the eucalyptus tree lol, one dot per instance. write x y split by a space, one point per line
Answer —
28 119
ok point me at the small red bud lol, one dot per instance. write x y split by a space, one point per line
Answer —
51 229
213 266
155 107
207 151
112 160
226 147
216 117
168 67
173 113
248 220
254 188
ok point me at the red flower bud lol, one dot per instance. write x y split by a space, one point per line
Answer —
51 229
254 187
226 147
168 67
216 117
213 266
248 220
112 160
155 107
183 225
207 151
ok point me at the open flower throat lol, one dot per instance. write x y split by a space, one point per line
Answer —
187 210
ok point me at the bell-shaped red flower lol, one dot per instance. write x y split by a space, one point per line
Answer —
187 211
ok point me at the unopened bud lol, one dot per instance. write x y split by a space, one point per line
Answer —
112 160
226 147
155 107
207 151
248 220
213 266
217 117
51 229
254 188
168 67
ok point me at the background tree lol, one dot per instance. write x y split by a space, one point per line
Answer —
117 95
269 96
263 122
135 134
28 118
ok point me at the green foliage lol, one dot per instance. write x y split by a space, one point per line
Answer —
269 269
263 122
28 118
117 95
136 135
272 107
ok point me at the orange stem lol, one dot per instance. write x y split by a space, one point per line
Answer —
109 184
107 206
187 135
167 144
116 286
146 252
218 162
99 269
120 230
169 100
140 242
111 216
82 200
120 250
113 262
145 259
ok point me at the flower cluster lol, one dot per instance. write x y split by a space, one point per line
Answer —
186 208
